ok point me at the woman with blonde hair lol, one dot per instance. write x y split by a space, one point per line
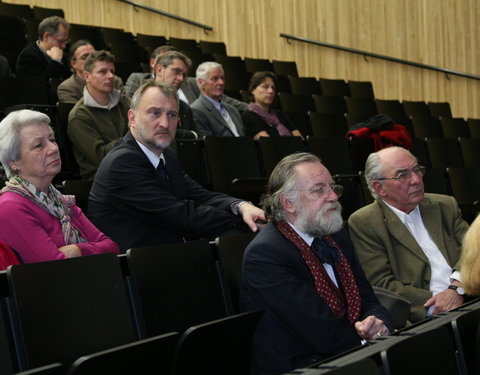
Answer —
470 260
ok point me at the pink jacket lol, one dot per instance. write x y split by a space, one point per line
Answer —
36 235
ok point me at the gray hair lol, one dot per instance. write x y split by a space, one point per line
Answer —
50 25
165 88
282 182
204 68
167 59
374 169
10 128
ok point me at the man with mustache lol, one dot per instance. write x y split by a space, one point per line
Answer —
141 196
408 241
301 270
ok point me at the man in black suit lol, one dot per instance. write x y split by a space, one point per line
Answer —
45 57
302 271
141 197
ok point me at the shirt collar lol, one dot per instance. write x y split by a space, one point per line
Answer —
308 239
216 103
402 215
154 159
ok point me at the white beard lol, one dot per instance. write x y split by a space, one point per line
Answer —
322 223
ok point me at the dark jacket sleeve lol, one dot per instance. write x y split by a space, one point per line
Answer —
254 124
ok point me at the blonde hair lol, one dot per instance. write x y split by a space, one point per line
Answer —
470 259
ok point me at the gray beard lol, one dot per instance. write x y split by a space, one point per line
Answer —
322 223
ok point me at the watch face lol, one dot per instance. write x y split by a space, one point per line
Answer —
460 291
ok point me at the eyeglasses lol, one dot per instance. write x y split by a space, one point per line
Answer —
60 41
405 175
323 190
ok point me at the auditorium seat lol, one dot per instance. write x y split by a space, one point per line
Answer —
53 369
444 152
361 106
435 181
80 189
301 122
69 302
185 44
177 286
440 109
304 85
151 356
333 152
415 108
426 126
92 33
360 367
454 127
285 68
465 184
474 127
334 87
16 10
329 104
231 63
273 149
328 124
212 47
359 89
429 352
295 102
470 149
150 42
394 109
419 150
258 65
466 331
41 13
229 251
230 158
217 347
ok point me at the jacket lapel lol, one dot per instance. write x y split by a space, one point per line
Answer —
215 113
401 233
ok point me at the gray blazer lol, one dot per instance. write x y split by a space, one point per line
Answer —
134 81
210 121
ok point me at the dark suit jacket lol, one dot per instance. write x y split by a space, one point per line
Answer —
134 81
129 202
33 62
298 328
390 256
210 121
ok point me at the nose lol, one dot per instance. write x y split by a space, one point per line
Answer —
416 178
163 120
52 148
331 196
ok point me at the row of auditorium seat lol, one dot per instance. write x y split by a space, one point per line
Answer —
61 310
448 344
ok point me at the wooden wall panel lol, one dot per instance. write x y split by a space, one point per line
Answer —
443 33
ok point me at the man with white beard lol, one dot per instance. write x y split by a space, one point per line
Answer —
301 270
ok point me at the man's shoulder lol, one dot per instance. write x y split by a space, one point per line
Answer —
30 49
199 103
368 210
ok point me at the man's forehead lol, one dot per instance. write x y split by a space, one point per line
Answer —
398 159
215 72
313 174
153 97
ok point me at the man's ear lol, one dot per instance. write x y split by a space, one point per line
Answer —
45 35
131 118
86 75
378 188
288 204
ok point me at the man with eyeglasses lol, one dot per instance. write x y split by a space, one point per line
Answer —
301 270
409 241
172 68
71 90
45 57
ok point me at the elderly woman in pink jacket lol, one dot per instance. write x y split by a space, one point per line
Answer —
37 221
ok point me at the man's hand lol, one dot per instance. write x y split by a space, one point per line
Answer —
55 53
70 251
371 328
250 214
444 301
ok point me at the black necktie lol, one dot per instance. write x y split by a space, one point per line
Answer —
325 251
162 173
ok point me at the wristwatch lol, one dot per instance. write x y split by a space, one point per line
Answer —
457 289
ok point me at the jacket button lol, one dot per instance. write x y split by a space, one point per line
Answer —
314 358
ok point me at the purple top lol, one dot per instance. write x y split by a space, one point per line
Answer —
36 235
